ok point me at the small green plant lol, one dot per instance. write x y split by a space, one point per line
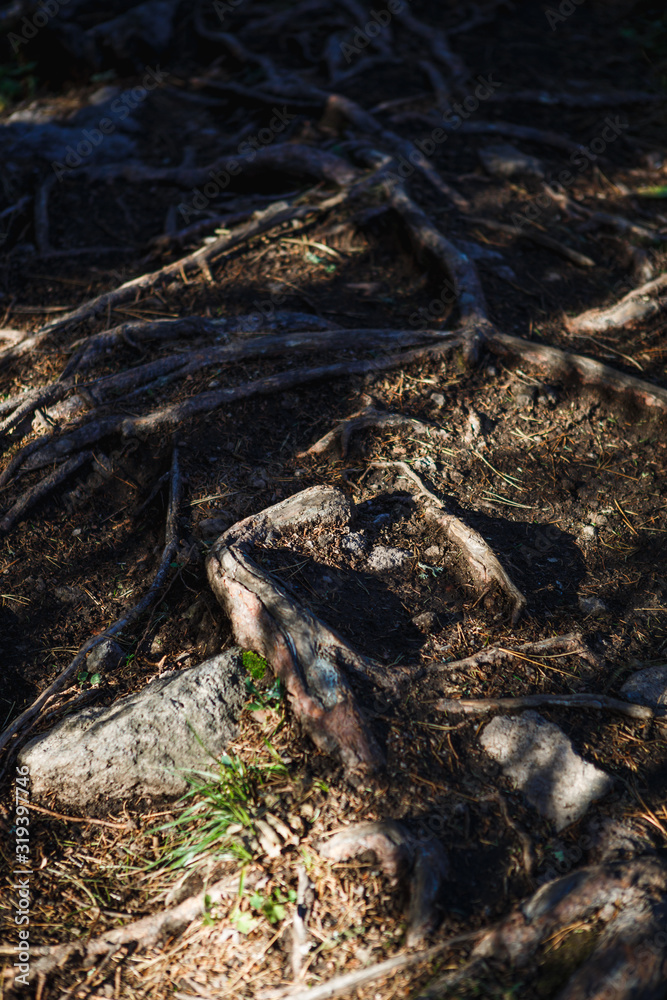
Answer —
272 907
16 83
85 677
256 667
225 804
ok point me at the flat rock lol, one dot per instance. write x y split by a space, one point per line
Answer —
648 687
538 757
139 746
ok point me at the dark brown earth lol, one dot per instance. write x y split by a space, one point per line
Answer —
564 482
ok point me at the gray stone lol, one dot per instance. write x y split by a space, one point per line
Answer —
106 656
211 528
354 543
140 746
648 687
384 559
539 759
504 160
593 606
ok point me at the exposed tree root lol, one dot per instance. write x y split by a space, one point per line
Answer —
635 307
41 489
301 941
481 563
370 417
627 899
304 653
28 717
573 644
599 702
559 363
129 291
157 374
402 857
338 106
144 933
46 450
460 269
289 157
535 236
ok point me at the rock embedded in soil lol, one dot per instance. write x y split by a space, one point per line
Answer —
593 606
539 759
106 656
385 559
648 687
140 747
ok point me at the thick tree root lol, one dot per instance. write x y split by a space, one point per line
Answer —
422 863
561 364
154 375
47 449
307 656
629 960
484 567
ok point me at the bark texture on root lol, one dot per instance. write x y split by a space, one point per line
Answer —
599 702
481 562
587 371
307 656
635 307
629 900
